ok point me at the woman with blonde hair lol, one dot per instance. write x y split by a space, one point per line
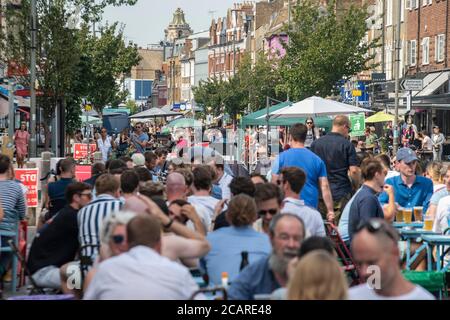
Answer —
436 171
318 276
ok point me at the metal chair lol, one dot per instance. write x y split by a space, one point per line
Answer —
343 253
8 249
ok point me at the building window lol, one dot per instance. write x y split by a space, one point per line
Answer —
426 50
412 54
389 12
402 10
426 2
440 47
389 73
412 4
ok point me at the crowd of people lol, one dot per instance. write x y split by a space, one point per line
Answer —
128 233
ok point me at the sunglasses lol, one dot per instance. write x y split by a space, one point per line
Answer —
375 226
349 129
309 123
272 212
118 239
89 195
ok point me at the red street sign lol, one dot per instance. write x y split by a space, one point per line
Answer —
80 150
27 93
82 173
30 179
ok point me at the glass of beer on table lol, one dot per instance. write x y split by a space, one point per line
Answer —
407 215
428 223
399 215
418 214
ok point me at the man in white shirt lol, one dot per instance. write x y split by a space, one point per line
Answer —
292 181
201 189
223 178
376 254
142 273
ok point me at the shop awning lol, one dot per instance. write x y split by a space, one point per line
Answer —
433 82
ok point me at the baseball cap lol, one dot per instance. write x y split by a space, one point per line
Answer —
407 155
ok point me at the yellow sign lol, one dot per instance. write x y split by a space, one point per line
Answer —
88 107
357 93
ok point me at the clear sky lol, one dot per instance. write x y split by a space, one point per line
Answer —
145 22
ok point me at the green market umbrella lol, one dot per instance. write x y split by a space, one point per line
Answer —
184 123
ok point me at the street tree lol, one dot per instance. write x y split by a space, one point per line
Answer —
324 48
109 59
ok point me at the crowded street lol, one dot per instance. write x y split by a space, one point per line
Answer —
251 158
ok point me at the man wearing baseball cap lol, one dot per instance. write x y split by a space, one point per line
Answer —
410 190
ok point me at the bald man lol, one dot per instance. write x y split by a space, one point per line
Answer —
340 159
176 187
377 256
177 190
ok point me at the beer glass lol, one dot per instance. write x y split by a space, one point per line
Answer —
428 223
399 215
418 214
407 215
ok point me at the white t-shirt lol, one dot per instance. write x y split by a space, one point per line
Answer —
438 187
391 174
427 143
364 292
442 212
207 202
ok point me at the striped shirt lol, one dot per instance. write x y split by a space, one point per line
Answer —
90 220
13 202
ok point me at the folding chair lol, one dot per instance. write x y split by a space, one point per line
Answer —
35 288
343 253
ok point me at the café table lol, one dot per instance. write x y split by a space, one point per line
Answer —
416 234
400 225
439 241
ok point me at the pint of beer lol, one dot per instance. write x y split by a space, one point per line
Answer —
399 215
407 215
428 223
418 213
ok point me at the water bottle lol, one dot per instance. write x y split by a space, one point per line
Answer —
244 260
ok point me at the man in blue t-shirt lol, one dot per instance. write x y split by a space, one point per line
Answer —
139 138
315 169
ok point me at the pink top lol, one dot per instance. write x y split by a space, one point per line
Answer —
21 140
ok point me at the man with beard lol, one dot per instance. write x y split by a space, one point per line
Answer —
264 276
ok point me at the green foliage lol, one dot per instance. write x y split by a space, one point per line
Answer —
109 58
323 49
131 104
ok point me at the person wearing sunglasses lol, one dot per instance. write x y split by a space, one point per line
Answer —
268 199
56 243
377 257
139 138
113 239
312 134
105 144
341 162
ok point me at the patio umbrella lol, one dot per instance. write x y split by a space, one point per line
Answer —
154 113
316 107
380 117
91 120
184 123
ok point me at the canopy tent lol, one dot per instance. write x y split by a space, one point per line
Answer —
154 113
90 120
258 118
380 117
315 107
184 123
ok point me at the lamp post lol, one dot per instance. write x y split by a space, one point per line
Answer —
397 74
33 80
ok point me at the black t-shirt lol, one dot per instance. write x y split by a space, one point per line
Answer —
56 243
339 154
221 221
